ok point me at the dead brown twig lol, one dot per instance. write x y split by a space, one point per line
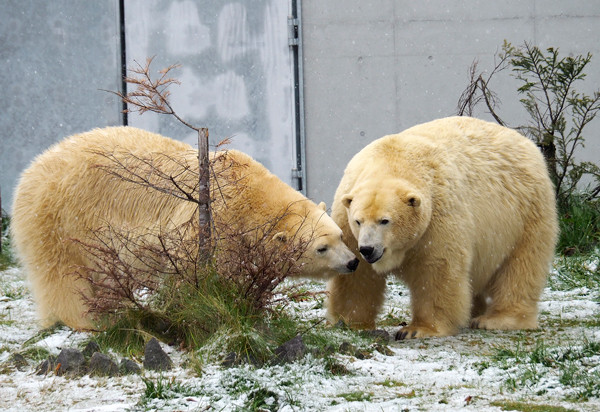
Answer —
153 95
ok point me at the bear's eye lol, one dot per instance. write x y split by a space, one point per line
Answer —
357 222
384 221
322 249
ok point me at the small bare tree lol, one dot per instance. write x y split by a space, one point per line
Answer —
155 275
167 275
152 95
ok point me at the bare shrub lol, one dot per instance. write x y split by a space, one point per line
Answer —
157 279
157 276
558 113
184 279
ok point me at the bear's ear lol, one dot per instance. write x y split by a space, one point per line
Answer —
323 206
413 200
280 237
346 200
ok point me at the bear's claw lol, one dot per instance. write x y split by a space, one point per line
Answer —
402 334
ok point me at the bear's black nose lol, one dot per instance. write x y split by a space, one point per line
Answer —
352 265
366 251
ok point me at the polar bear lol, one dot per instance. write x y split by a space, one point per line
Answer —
463 212
69 191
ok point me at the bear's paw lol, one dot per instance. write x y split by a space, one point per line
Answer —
504 322
419 331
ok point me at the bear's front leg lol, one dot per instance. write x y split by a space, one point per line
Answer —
356 298
440 298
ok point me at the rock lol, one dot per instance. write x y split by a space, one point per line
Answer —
129 367
383 349
290 351
70 362
102 365
46 366
155 358
347 348
230 360
91 348
18 361
379 335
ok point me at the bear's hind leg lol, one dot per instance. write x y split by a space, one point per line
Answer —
517 285
478 306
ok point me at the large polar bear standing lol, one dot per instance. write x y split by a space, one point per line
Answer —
461 210
67 191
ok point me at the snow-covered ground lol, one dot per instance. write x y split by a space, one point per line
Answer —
445 374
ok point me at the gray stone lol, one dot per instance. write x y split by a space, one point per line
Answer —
91 348
102 365
19 362
70 362
155 358
379 335
129 367
46 366
347 348
230 360
290 351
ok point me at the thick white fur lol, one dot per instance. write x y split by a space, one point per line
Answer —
472 227
64 194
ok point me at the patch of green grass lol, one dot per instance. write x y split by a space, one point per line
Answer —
529 407
579 226
576 272
35 353
165 389
585 383
210 317
357 396
238 381
560 324
7 259
13 292
125 335
527 365
335 367
262 400
393 318
390 383
330 338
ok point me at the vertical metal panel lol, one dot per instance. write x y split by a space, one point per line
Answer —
57 57
236 72
295 28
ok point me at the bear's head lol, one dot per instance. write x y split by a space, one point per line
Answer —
325 252
387 218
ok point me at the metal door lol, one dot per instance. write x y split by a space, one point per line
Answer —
237 73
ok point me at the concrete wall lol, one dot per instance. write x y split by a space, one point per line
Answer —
236 72
370 68
56 58
377 67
